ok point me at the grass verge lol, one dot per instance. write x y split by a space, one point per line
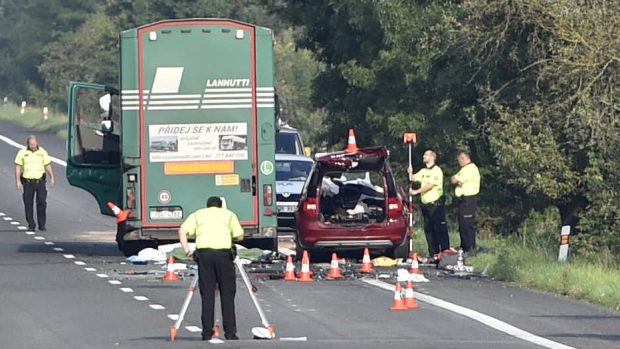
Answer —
33 118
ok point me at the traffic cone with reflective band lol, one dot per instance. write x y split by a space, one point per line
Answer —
415 266
398 303
351 144
410 302
121 215
170 275
367 266
289 273
173 333
334 269
305 268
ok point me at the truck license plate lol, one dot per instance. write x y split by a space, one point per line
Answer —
176 214
287 209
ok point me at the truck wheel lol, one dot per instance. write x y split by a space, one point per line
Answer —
400 251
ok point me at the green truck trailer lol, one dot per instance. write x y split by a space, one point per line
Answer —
194 116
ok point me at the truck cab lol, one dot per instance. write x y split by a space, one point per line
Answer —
193 116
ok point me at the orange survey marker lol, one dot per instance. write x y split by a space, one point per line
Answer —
121 215
410 302
398 303
334 269
367 266
305 268
170 274
351 143
415 266
289 273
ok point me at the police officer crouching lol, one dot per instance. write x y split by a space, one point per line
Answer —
214 229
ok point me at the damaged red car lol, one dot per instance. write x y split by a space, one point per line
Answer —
351 201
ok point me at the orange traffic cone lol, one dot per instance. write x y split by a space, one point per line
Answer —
289 273
351 144
415 266
367 266
121 215
170 275
173 333
410 302
334 269
398 303
305 268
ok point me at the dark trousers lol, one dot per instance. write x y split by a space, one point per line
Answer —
467 222
435 227
216 267
32 188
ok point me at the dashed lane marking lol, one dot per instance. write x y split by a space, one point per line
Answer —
7 218
103 276
68 256
58 249
40 238
30 232
114 282
48 243
15 223
79 263
90 269
141 298
21 227
173 317
157 306
193 329
477 316
2 214
126 289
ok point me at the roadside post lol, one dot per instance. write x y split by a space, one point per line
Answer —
23 107
410 138
564 234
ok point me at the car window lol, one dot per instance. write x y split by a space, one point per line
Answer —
286 143
293 171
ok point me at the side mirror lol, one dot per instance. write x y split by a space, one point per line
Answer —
105 102
106 126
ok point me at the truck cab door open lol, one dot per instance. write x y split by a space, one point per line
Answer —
93 142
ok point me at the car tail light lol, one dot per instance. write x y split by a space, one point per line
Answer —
311 207
267 195
395 207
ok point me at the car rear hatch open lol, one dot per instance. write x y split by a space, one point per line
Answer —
354 187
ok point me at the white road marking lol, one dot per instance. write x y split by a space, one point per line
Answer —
15 223
193 329
79 263
2 214
141 298
7 218
477 316
114 282
58 249
157 306
126 289
103 276
11 142
30 233
21 227
90 269
173 317
68 256
40 238
48 243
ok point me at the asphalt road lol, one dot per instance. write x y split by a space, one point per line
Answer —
69 287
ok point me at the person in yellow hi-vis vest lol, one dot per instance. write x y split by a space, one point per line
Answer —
433 208
214 228
31 165
467 187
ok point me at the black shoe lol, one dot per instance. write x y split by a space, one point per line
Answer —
232 337
31 228
206 338
42 229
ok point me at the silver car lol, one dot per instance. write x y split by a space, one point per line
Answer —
291 174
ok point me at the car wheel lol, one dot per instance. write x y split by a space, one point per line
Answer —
401 251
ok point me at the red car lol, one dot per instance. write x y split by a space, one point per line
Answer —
351 201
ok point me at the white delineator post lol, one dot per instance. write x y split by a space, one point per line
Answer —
45 113
23 107
563 255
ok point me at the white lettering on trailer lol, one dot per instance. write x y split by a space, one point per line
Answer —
228 82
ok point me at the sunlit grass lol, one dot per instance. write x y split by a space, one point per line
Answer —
33 119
